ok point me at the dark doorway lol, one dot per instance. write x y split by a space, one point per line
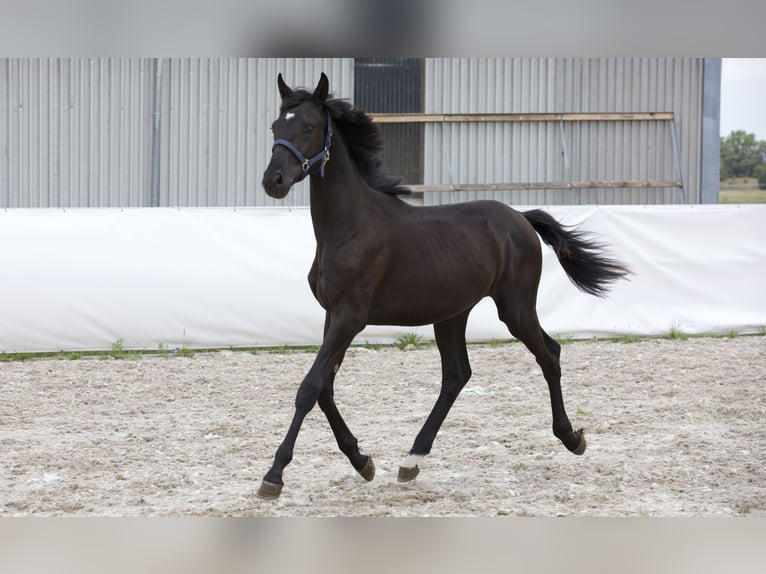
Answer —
394 85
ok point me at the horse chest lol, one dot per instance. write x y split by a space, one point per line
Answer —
331 279
320 287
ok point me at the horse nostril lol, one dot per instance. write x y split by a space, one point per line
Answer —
278 178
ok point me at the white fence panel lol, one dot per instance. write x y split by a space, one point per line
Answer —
197 278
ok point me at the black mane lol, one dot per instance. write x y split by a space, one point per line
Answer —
363 140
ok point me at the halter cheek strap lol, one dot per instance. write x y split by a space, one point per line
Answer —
307 163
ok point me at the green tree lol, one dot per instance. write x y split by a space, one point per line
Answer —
741 154
760 173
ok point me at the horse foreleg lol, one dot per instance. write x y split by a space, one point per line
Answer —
456 370
337 339
346 440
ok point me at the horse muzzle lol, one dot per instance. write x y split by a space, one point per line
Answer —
277 180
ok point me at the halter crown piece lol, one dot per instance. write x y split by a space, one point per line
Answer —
306 163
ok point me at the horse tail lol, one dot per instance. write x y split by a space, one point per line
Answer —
584 260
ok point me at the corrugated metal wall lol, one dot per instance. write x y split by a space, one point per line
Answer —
78 132
74 132
216 120
533 152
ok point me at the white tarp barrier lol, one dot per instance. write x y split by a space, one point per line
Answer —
196 278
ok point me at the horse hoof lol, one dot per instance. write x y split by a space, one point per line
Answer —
580 447
368 472
407 474
269 491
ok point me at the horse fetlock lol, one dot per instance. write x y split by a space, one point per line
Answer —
564 432
573 440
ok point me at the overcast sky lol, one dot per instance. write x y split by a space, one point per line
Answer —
743 96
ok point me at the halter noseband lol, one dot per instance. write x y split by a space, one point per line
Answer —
306 163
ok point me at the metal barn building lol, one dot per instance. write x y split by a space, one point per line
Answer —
195 132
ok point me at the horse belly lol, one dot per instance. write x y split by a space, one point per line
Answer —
428 295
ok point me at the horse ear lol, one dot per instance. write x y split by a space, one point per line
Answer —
323 88
284 89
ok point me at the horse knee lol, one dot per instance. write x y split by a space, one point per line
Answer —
452 386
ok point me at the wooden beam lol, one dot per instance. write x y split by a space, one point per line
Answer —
484 118
545 185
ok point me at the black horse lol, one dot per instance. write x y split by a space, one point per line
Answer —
382 261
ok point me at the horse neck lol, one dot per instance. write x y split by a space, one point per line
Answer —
339 200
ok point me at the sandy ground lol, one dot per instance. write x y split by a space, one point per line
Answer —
674 428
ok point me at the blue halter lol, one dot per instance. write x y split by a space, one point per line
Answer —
306 164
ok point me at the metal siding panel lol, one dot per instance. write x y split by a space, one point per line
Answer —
216 126
533 152
92 135
710 131
67 135
12 142
77 133
5 131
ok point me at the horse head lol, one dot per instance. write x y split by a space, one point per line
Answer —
302 137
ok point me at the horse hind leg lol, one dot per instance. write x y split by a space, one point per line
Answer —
456 370
562 430
525 326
